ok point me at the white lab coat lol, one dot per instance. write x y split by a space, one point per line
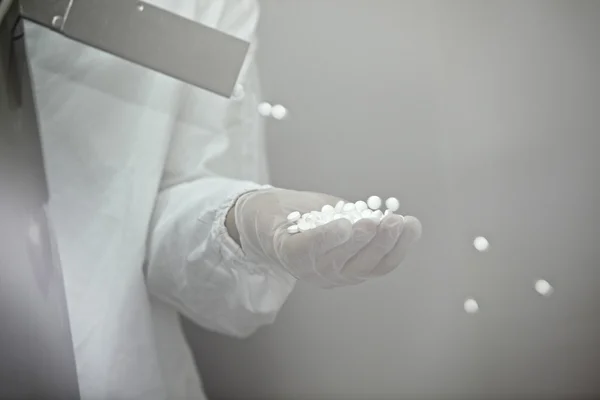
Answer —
142 170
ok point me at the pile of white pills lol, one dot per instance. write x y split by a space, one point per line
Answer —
353 212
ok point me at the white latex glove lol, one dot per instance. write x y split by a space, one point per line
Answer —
335 254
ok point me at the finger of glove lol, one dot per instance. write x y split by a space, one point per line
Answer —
368 258
410 235
330 265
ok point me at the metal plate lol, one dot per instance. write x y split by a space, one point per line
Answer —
149 36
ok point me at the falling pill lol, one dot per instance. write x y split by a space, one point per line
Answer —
481 244
471 306
543 287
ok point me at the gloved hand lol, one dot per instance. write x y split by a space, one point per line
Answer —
335 254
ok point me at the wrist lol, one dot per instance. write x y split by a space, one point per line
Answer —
235 213
231 226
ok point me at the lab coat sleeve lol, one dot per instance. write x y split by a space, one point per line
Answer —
214 155
196 267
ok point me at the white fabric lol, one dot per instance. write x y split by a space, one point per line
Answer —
141 166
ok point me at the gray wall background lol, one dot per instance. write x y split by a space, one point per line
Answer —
483 118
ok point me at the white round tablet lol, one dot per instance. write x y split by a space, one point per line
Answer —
481 243
304 226
294 216
361 205
349 207
278 111
543 287
355 216
375 219
293 229
238 92
264 109
392 204
374 202
471 306
327 208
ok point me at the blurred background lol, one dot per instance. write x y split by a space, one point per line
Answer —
483 119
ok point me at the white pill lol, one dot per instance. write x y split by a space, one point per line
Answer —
355 216
374 202
392 204
377 214
264 109
327 208
303 226
361 205
238 92
293 229
348 207
366 213
481 243
293 217
375 219
306 216
543 287
471 306
339 206
278 111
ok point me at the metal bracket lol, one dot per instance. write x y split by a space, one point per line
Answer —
147 35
